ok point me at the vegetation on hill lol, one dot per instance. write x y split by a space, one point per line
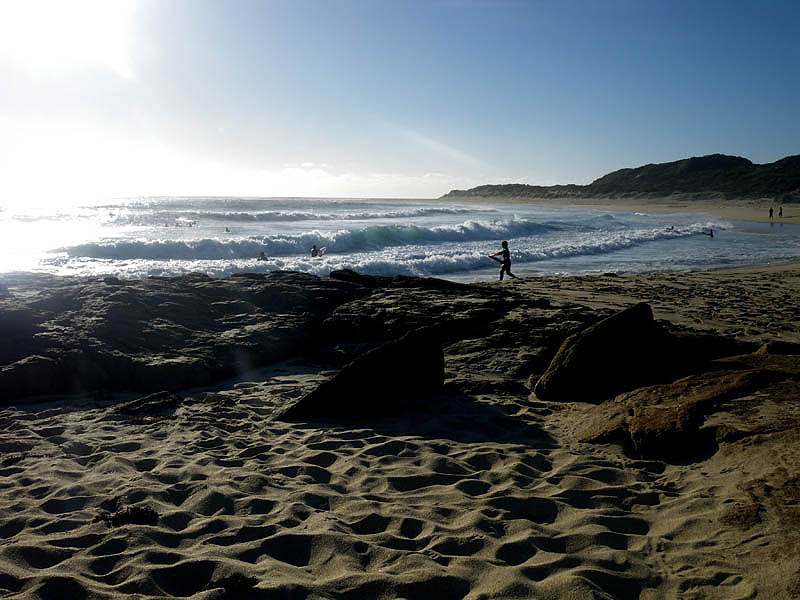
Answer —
712 175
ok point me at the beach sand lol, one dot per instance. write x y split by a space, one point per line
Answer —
752 209
487 492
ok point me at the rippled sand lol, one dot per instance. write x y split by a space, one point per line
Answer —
488 497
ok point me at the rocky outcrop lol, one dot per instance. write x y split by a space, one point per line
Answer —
603 359
69 335
76 335
384 381
623 352
740 397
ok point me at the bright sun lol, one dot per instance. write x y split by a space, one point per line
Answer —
50 35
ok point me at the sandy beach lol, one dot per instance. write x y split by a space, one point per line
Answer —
149 449
752 209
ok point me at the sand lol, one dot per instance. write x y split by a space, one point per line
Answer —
495 497
755 209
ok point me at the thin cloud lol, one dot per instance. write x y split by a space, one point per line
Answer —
436 146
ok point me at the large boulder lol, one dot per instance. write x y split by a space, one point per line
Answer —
616 354
381 382
626 351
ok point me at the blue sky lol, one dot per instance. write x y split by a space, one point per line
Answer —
382 98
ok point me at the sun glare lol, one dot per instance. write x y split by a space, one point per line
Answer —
51 35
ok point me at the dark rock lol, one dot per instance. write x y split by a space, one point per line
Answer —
69 335
17 327
132 515
620 352
625 351
151 405
687 352
33 375
780 347
398 281
384 381
393 311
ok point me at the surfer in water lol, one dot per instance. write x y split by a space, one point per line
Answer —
506 261
709 233
317 251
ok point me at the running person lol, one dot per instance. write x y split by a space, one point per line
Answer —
506 268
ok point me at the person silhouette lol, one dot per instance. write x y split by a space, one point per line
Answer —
506 261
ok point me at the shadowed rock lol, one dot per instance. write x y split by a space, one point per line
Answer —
626 351
33 374
384 381
71 335
399 281
151 405
604 359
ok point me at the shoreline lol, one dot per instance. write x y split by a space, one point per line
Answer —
755 210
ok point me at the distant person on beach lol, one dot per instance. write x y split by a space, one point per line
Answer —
262 256
506 261
780 211
770 213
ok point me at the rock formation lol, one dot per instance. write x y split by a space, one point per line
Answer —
383 381
623 352
738 397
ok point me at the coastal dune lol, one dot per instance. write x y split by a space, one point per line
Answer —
478 489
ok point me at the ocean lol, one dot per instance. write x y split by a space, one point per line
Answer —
133 238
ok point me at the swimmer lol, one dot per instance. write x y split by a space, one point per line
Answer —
262 256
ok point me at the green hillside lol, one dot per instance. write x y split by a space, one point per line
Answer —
712 175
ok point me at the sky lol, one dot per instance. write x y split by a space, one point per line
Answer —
382 98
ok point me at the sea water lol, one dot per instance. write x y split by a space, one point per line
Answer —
135 238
